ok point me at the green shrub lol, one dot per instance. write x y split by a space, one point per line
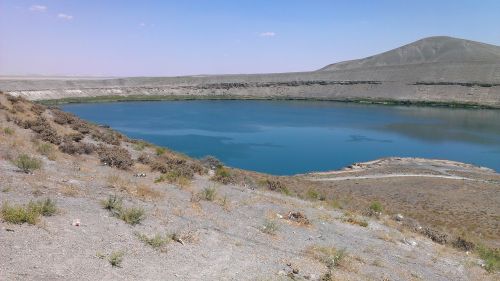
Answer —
160 151
113 204
174 177
132 216
312 194
222 175
140 145
116 259
47 149
8 131
45 207
491 258
209 193
376 207
269 227
157 241
27 164
29 213
19 214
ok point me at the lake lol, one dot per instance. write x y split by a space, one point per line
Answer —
290 137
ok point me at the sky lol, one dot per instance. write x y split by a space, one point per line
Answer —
188 37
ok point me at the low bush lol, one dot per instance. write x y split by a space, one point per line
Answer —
112 204
74 137
353 219
491 258
174 177
47 149
73 148
63 118
158 241
38 108
209 193
223 175
106 136
116 259
330 257
276 185
29 213
211 162
140 145
19 214
115 156
376 207
269 227
312 194
160 151
8 131
132 216
27 164
43 128
81 127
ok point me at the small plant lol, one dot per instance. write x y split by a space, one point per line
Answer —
376 207
312 194
27 164
8 131
115 156
132 216
353 219
491 258
209 193
330 257
222 175
276 185
269 227
174 177
45 207
46 149
116 259
140 145
112 204
30 213
19 214
211 162
160 151
157 241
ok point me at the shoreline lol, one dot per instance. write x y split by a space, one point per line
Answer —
387 102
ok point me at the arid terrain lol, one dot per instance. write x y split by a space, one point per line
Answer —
105 207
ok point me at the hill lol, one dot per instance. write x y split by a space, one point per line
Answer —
439 49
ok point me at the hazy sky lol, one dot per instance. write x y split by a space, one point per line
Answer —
155 38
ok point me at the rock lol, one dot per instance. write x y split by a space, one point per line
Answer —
295 270
398 217
281 273
410 242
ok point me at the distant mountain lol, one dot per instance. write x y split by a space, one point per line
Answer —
439 49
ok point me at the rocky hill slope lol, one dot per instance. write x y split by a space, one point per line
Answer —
435 70
81 201
439 49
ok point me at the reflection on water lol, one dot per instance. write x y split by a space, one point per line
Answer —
287 137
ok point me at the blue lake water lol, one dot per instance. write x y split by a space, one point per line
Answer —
289 137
